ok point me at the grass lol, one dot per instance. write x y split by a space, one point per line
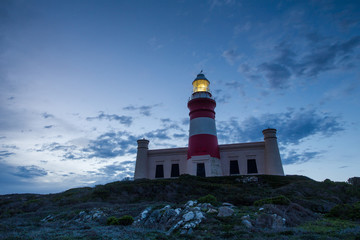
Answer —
24 211
336 228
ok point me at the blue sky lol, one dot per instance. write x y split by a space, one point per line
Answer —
81 81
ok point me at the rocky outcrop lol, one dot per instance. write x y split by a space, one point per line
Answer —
169 219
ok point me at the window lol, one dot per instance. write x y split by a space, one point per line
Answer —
175 170
251 166
159 171
234 167
200 170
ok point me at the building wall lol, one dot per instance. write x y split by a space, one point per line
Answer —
166 157
240 152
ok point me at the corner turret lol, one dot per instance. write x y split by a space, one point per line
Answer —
273 164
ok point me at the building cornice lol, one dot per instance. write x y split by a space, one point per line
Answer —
237 146
168 151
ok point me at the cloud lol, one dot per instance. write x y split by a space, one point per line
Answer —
231 56
48 126
47 115
126 120
294 157
5 153
55 146
119 168
111 144
165 120
292 61
181 135
185 121
144 110
278 75
293 126
235 85
340 92
160 134
29 171
242 28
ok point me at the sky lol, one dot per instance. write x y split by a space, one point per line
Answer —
82 80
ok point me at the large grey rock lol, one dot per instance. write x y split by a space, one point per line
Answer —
188 216
167 219
199 215
190 203
228 204
153 219
247 223
212 210
95 214
225 212
272 221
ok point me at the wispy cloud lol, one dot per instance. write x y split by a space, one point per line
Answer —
29 171
111 144
47 115
291 61
293 157
126 120
119 168
143 110
231 56
55 146
5 153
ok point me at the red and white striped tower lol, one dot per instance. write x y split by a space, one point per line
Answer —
203 144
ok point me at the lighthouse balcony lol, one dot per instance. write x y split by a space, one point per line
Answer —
201 95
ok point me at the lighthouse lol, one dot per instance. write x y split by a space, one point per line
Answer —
203 156
203 151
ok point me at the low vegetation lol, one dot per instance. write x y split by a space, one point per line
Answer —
124 220
208 199
279 200
316 210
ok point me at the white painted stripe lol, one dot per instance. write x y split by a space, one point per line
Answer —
202 125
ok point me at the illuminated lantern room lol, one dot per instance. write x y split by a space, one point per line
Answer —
201 84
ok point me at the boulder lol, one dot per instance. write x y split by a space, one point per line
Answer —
212 210
225 211
272 221
228 205
247 223
188 216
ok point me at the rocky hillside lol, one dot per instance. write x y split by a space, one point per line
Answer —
237 207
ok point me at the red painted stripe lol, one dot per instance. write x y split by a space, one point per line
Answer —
203 144
202 113
202 107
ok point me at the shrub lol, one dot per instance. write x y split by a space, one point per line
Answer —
124 220
279 200
355 181
101 192
345 211
112 221
208 199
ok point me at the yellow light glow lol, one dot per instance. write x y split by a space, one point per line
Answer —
201 86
